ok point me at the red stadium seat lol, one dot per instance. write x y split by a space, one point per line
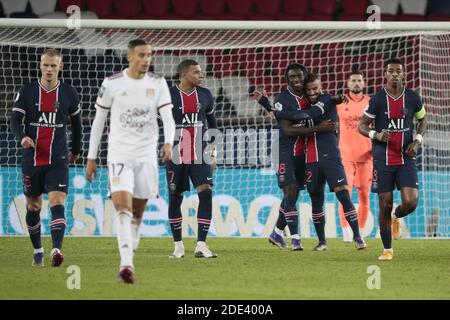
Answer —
319 17
128 8
354 7
438 17
239 8
156 8
125 9
352 17
185 8
212 8
267 7
387 17
100 7
295 7
326 7
293 10
265 10
64 4
410 17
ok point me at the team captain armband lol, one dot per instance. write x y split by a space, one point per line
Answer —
420 114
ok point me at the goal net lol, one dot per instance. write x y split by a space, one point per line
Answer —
235 62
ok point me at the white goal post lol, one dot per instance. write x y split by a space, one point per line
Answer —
237 57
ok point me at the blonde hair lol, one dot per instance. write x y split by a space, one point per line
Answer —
51 52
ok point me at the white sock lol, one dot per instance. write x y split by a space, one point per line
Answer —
388 250
135 232
296 236
179 245
201 244
40 250
278 231
124 238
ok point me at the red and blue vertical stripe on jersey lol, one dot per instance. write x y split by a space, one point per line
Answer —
45 135
299 144
311 143
394 149
187 141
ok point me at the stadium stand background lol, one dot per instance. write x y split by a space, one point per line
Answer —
344 10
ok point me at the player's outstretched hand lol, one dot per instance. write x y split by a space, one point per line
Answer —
326 126
74 157
258 94
382 136
166 152
340 98
411 148
27 142
91 170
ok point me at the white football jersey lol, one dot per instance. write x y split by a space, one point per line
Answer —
134 105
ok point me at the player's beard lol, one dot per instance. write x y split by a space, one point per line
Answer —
356 90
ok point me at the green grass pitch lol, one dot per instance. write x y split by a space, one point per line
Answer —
245 269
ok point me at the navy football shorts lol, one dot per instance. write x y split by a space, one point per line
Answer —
326 170
178 176
386 178
44 179
291 170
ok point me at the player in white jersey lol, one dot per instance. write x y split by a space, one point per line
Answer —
134 97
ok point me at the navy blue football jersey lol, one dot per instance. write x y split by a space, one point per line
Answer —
320 145
396 116
288 101
46 115
189 112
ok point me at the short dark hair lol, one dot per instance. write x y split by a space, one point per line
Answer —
355 72
185 65
136 42
394 61
311 77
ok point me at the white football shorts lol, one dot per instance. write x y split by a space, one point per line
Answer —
141 179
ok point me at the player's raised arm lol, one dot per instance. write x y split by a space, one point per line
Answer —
165 111
261 97
102 107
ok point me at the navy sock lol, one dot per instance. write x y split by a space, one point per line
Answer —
281 221
57 225
349 211
318 215
204 213
34 227
386 237
290 214
175 217
399 213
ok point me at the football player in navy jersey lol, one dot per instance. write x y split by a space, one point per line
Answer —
394 147
39 116
193 112
291 167
323 161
